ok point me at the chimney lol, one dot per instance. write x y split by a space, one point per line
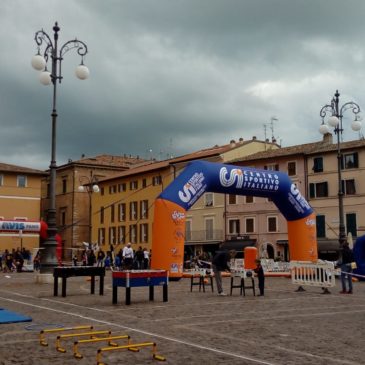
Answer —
254 138
241 140
233 143
327 138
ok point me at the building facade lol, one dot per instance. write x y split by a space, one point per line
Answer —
73 204
20 200
313 168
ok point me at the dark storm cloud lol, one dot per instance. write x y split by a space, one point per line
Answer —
173 76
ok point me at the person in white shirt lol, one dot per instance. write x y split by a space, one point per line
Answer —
128 257
146 259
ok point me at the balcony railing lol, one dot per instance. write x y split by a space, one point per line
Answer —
204 235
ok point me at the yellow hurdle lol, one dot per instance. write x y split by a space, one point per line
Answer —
91 334
130 347
42 339
77 354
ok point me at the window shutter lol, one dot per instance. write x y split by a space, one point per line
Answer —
356 160
311 190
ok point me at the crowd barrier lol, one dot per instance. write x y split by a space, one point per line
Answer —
319 274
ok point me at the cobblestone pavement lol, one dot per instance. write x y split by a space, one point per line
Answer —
284 327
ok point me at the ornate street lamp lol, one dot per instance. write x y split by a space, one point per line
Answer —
90 187
335 121
39 62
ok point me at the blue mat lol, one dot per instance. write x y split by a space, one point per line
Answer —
12 317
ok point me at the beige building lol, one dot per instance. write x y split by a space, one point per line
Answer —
20 201
73 204
313 167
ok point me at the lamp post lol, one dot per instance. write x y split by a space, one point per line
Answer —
39 62
335 121
90 187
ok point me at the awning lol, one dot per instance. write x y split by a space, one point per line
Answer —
282 242
328 245
203 243
237 245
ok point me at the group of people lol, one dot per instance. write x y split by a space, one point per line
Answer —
125 259
13 260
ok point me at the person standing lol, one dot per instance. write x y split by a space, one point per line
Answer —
100 258
347 257
261 277
146 259
128 255
139 258
220 263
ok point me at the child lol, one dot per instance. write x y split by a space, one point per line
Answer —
261 277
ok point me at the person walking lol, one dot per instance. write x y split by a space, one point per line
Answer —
220 263
347 257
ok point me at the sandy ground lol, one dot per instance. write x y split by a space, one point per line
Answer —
284 327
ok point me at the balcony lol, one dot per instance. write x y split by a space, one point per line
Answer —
204 236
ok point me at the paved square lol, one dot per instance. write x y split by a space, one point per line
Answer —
284 327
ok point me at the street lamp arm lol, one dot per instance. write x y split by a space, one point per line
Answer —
75 43
350 105
326 109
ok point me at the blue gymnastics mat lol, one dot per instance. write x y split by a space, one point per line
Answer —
12 317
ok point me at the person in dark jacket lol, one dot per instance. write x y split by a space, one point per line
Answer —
347 257
261 277
220 263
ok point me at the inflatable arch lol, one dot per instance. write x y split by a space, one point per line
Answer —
198 177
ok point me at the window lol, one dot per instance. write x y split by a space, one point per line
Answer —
351 224
112 213
318 190
348 187
249 199
1 180
133 233
112 236
112 189
233 226
102 190
156 180
121 212
133 185
101 236
249 225
144 183
272 224
209 223
232 199
318 164
350 160
133 211
122 187
292 168
144 209
64 185
143 232
21 181
121 234
102 215
272 167
208 197
321 226
63 217
188 225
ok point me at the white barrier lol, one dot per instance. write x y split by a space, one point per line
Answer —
321 274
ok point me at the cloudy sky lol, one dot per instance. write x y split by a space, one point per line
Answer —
168 77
